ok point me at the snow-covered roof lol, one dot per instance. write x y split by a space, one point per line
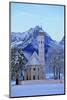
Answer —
34 60
41 32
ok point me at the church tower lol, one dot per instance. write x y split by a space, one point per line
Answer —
41 51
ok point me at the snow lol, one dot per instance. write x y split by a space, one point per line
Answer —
14 44
34 59
27 54
13 83
51 76
37 89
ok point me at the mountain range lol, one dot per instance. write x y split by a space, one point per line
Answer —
27 41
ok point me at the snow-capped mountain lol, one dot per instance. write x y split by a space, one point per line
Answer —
62 41
28 40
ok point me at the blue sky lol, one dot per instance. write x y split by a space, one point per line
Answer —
51 18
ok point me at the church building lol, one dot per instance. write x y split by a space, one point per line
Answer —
34 69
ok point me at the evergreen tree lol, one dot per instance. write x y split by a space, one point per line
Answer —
18 62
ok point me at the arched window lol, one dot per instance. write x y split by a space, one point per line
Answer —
38 77
41 42
27 77
34 69
33 77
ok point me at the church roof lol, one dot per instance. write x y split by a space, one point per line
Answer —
41 32
34 60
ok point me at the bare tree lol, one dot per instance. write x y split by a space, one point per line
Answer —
55 59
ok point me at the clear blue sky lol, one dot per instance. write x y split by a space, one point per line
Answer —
51 18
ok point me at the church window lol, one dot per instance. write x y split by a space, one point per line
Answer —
33 77
38 77
34 69
23 77
41 42
27 77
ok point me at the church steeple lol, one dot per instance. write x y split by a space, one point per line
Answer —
41 49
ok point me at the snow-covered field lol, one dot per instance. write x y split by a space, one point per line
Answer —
37 89
51 76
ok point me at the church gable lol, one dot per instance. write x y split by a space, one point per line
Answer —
34 60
